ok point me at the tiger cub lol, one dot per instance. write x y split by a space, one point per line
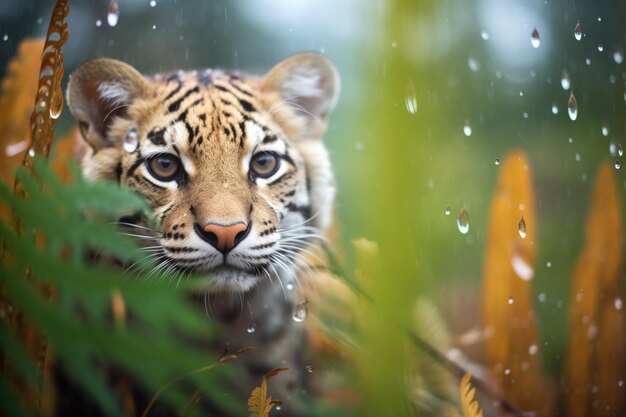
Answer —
239 182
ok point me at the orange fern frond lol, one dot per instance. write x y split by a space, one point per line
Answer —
16 104
511 346
469 405
596 360
259 404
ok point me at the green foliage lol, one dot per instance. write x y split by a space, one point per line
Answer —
153 346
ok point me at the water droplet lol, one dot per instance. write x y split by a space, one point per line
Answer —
56 104
534 38
612 148
618 164
462 222
131 140
31 152
572 107
577 157
543 297
42 104
604 130
578 33
620 150
555 109
497 161
549 264
618 303
588 61
467 128
521 228
525 115
485 35
5 37
252 328
532 350
98 23
600 47
300 312
570 140
411 100
309 369
521 268
289 286
113 15
473 64
565 80
447 211
153 27
618 57
152 3
510 300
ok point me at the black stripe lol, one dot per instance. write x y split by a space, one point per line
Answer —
174 91
134 166
156 137
189 132
247 106
247 93
305 211
118 172
175 105
270 139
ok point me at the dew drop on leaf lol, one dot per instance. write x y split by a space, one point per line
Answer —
620 150
600 47
113 14
497 161
618 164
578 33
300 312
131 140
618 57
534 38
565 80
462 222
56 104
447 211
572 107
521 228
467 128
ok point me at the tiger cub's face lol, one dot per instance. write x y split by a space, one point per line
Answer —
233 166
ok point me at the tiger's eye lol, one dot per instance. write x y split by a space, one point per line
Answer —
164 167
264 164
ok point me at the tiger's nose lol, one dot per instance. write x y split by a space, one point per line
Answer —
225 238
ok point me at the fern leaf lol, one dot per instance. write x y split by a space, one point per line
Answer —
469 405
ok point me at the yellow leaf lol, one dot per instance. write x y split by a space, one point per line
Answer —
259 404
469 406
511 345
595 359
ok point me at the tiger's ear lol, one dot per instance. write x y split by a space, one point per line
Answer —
309 83
100 90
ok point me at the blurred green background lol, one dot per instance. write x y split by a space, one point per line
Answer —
461 63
